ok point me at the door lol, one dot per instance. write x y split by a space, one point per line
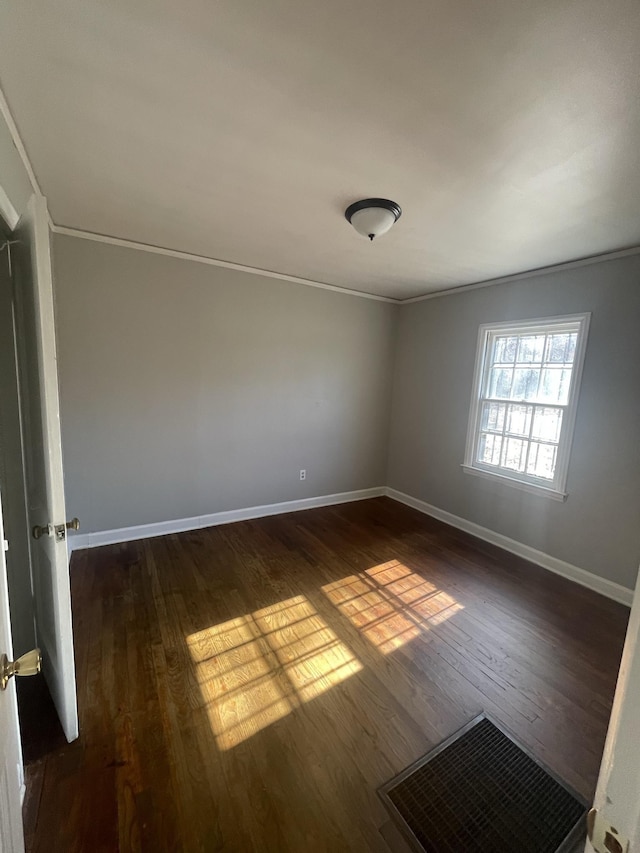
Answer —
38 380
11 839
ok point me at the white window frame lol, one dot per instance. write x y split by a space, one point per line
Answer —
551 488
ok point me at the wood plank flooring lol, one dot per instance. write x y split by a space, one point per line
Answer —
248 687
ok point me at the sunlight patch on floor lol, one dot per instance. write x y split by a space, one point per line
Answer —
390 604
255 669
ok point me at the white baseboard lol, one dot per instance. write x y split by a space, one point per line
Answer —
181 525
605 587
145 531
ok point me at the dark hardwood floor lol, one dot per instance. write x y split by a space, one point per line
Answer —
249 687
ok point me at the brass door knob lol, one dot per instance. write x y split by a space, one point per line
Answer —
45 530
29 664
60 530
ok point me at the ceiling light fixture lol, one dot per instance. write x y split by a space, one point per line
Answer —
372 217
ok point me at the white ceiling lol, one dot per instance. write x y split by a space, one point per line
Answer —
508 130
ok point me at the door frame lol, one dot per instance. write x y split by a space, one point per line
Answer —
12 780
16 513
616 797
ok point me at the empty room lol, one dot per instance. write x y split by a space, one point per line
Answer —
319 416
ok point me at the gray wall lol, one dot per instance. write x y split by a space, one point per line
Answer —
189 389
598 527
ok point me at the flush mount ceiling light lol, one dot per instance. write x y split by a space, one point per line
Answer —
372 217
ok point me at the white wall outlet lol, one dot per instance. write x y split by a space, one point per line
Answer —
303 473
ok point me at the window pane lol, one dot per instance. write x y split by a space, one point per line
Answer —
493 415
519 419
500 382
530 348
554 385
527 397
547 423
542 460
561 348
514 451
525 383
489 448
505 349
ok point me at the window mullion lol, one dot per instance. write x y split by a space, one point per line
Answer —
562 406
529 437
542 362
503 446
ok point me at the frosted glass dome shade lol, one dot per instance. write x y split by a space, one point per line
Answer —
372 217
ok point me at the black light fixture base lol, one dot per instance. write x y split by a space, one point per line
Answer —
373 202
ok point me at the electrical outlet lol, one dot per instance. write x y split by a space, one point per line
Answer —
303 473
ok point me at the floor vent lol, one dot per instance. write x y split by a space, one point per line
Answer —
480 792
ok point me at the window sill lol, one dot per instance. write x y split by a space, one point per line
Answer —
518 484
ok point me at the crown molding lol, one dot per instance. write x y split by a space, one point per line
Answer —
11 216
463 288
7 208
565 265
6 113
214 262
17 141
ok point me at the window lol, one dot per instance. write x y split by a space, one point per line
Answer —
524 402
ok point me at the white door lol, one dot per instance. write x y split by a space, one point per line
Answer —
38 374
11 839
